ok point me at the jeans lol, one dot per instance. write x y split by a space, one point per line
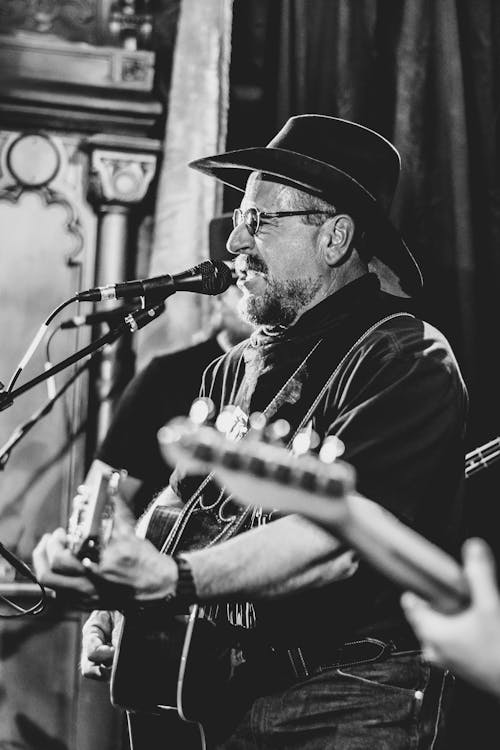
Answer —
395 704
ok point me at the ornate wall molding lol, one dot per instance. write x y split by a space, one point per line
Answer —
36 57
36 162
76 20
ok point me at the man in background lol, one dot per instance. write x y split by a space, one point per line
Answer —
166 387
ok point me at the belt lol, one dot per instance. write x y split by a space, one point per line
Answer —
301 662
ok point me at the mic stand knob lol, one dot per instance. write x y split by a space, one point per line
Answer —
6 399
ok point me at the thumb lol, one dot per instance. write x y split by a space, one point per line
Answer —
419 614
480 570
124 521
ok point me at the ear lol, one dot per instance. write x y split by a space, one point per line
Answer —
335 238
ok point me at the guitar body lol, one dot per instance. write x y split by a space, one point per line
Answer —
166 658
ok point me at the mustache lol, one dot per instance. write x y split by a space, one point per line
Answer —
245 263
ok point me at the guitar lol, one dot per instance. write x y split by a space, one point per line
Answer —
170 656
321 489
164 658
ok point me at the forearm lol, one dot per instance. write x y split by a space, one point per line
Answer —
277 559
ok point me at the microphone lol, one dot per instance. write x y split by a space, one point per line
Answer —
209 277
103 316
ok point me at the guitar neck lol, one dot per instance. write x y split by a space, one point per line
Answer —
324 493
403 555
482 457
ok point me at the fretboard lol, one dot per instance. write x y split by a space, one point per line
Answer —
482 457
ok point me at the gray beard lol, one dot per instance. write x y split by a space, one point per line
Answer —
281 302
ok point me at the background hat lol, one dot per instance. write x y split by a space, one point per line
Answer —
219 229
344 163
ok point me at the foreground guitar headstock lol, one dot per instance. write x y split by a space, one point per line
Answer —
318 486
91 520
262 453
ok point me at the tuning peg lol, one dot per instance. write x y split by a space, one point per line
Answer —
304 441
277 431
226 419
202 410
173 430
331 449
257 422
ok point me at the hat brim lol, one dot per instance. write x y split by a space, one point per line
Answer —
392 260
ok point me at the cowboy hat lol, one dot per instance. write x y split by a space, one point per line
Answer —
343 163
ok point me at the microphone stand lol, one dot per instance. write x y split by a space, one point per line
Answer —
131 323
22 429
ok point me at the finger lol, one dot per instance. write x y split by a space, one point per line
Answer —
101 655
97 672
430 654
124 521
412 602
100 621
480 571
39 556
123 510
419 613
59 557
51 579
92 640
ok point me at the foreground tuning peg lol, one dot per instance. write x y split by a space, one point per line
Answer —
202 410
257 422
277 431
304 441
226 419
331 449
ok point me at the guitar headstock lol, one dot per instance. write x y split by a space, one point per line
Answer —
262 456
91 520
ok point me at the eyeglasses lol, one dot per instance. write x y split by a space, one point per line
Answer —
252 216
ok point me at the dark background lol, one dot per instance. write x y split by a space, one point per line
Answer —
426 75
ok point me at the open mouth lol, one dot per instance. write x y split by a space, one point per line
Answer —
248 277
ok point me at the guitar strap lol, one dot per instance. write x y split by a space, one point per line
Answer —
364 336
243 614
239 518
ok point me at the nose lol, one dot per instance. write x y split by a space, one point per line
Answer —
240 240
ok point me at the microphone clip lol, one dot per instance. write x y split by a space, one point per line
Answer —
6 399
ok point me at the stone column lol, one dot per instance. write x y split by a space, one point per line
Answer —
121 170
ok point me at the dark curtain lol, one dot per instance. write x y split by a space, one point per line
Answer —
425 73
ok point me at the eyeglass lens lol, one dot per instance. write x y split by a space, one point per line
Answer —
250 217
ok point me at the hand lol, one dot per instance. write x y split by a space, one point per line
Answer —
99 635
133 563
57 568
136 565
467 643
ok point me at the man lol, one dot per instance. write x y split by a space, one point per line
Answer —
329 661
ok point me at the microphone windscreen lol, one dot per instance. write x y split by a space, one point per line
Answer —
216 276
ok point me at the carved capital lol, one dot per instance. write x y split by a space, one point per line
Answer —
120 176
